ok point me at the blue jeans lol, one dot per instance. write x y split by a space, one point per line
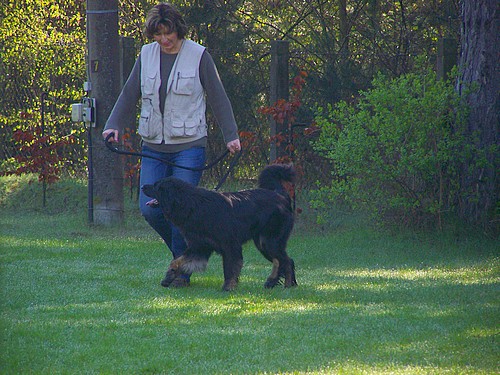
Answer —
154 170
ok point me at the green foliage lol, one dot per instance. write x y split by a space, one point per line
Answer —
43 60
397 152
43 50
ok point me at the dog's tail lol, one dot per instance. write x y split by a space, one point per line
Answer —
274 177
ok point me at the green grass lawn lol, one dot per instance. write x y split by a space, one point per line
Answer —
86 300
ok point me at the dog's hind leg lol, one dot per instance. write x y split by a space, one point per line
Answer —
267 247
282 268
288 271
259 244
232 263
262 245
274 249
274 277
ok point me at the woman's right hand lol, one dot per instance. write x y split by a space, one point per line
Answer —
107 132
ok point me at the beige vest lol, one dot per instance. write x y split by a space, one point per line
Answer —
183 119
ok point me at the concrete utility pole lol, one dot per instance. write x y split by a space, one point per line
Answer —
279 90
103 67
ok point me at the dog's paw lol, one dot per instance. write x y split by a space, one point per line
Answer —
229 285
169 278
271 283
290 284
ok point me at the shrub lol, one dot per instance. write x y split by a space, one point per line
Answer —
39 153
397 151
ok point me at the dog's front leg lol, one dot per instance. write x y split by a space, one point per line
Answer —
174 270
232 262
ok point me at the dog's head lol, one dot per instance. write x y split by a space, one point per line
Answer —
149 191
167 194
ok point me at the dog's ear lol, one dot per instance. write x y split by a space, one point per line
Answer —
149 190
161 191
174 197
180 197
162 186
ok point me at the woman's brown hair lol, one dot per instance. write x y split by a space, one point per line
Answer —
167 15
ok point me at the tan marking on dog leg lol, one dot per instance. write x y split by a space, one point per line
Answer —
273 278
275 272
173 271
176 264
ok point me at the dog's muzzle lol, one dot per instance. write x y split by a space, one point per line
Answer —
153 203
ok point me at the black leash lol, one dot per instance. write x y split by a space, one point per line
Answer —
233 163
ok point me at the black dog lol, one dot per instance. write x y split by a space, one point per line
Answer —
223 222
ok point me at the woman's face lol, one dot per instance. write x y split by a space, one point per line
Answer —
168 41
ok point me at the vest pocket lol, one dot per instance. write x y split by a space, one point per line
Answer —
146 128
181 129
148 84
184 84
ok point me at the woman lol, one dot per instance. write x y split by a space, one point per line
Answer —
172 76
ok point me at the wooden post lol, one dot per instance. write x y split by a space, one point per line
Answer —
279 90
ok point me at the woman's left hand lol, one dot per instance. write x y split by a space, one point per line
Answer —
234 146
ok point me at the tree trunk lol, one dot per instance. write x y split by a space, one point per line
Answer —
479 84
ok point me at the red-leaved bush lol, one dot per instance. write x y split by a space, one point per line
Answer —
39 153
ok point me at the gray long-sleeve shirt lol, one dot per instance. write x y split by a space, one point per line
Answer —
210 80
